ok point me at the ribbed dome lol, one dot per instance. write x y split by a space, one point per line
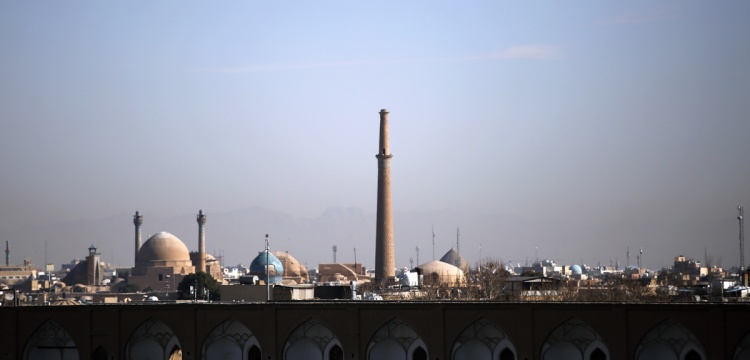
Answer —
454 258
163 246
292 267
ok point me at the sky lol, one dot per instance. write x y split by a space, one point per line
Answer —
594 127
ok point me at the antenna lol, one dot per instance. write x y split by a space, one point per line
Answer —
334 254
433 242
640 258
628 255
741 219
268 278
480 256
458 240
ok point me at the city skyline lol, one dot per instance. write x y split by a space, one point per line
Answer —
576 129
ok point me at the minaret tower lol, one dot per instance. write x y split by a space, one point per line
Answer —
385 265
7 253
201 219
137 221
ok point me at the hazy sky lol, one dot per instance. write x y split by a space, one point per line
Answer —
627 122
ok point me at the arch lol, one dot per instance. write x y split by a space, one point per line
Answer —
336 353
419 354
507 354
230 339
669 340
395 340
100 354
597 354
254 353
153 340
52 342
573 339
311 340
483 340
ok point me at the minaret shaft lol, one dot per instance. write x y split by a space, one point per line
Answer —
201 219
385 264
137 221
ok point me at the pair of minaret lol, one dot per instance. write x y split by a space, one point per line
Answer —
201 219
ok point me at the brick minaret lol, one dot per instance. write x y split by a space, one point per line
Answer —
137 221
385 264
201 219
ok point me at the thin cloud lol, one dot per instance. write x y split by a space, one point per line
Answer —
535 52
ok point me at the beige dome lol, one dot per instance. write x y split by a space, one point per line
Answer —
163 246
292 267
438 271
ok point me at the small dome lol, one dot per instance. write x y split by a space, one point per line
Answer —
576 270
163 246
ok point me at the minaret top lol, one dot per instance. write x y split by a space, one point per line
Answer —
201 218
385 147
137 218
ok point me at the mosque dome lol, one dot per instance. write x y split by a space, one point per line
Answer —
163 246
275 268
576 270
454 258
292 267
440 272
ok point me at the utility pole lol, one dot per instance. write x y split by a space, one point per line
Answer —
628 256
480 256
268 278
741 219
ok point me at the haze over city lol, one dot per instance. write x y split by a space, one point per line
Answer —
570 131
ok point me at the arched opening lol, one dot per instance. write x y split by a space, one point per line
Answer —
254 353
507 354
669 340
419 354
153 340
311 340
336 353
574 339
52 342
99 354
482 339
229 340
693 355
175 354
598 354
395 340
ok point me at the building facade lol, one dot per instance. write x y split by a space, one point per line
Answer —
378 330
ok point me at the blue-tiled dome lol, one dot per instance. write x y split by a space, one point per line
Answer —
576 270
275 269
